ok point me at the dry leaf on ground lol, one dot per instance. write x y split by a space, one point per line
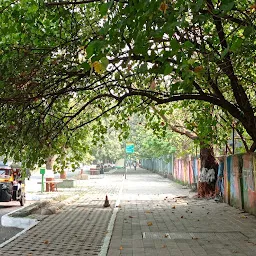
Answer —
150 223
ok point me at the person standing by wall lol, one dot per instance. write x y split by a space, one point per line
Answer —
101 168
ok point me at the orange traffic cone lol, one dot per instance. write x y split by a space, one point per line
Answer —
106 204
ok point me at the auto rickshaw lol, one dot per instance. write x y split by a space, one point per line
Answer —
12 187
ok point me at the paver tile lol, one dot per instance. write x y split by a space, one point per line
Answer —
156 217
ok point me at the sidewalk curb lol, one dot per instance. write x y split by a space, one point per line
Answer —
19 234
105 246
25 223
18 222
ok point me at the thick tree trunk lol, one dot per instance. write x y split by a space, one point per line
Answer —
50 162
208 174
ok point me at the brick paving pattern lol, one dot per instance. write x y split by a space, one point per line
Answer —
78 229
155 217
169 223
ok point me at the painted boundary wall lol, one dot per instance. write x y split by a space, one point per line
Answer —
163 166
184 170
238 178
240 181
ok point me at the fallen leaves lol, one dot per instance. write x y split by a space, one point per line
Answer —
148 212
149 223
174 207
46 242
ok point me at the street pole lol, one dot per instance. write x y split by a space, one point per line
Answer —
125 161
42 172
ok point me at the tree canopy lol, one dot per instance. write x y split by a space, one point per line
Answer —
65 64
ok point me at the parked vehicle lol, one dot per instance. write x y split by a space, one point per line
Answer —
12 186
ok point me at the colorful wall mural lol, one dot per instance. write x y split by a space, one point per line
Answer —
236 181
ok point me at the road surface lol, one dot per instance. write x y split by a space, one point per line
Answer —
6 232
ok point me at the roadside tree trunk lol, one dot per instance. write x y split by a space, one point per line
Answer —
208 175
50 162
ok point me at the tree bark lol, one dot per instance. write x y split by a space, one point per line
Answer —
50 162
208 162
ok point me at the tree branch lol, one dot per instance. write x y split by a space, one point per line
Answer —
77 2
180 130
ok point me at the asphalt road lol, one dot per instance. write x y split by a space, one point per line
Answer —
6 232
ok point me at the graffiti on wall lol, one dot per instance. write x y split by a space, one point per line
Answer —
207 175
250 180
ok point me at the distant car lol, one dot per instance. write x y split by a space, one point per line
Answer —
109 165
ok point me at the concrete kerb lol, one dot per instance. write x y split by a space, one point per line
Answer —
19 222
20 217
19 234
25 223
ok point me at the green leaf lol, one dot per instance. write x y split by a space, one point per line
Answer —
227 6
90 50
104 62
188 45
104 8
168 69
236 44
174 45
86 66
199 4
143 68
248 31
224 53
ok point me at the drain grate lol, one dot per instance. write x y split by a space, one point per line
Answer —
236 235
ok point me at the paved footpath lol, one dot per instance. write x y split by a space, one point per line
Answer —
154 216
78 229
